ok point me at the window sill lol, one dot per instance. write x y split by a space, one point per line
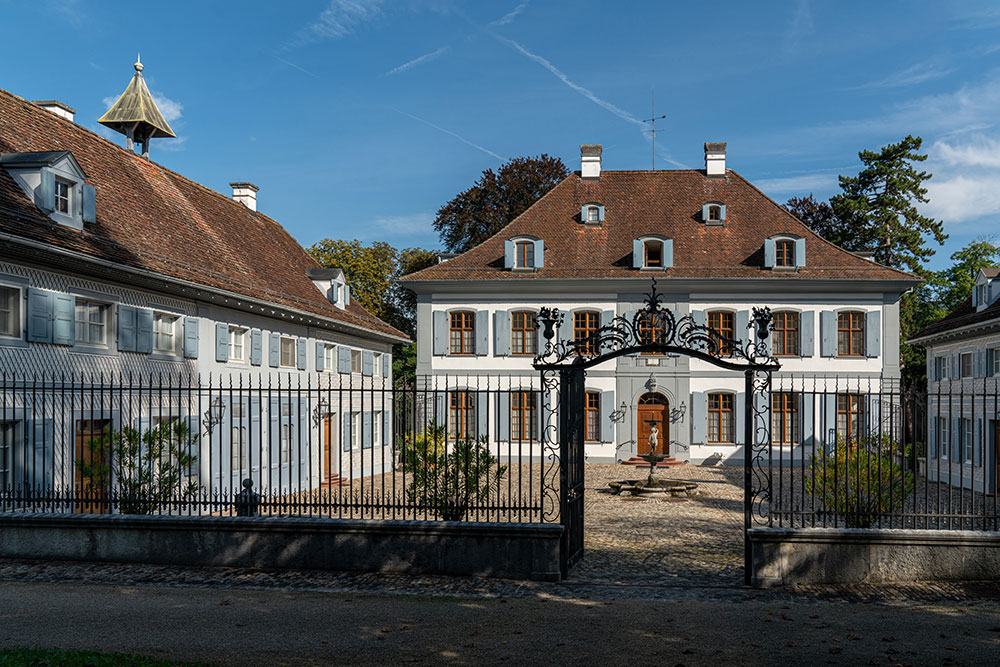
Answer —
13 342
523 269
653 269
165 356
100 350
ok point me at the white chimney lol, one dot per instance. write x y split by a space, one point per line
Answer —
246 194
58 108
590 160
715 158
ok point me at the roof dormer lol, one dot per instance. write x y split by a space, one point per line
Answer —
54 181
523 253
333 284
652 252
713 213
986 288
592 213
784 252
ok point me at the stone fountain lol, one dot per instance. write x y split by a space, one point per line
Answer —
652 486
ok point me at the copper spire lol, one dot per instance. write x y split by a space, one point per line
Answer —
135 114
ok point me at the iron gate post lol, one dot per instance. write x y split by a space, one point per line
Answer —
571 487
747 474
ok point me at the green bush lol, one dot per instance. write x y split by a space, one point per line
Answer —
143 471
860 480
450 477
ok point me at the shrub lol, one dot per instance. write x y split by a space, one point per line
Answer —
450 477
860 481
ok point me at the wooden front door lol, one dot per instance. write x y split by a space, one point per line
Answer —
327 447
653 411
92 474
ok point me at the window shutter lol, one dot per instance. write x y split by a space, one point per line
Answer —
39 316
769 253
333 294
482 413
501 333
741 326
301 354
366 429
600 213
343 359
63 319
975 295
699 417
539 254
440 333
566 332
190 337
956 439
41 456
829 422
144 330
806 407
347 295
441 409
700 318
955 370
386 365
256 347
637 254
482 333
346 439
977 443
668 253
873 416
722 212
367 362
221 342
873 333
739 405
47 190
320 349
807 324
273 350
508 254
89 203
583 213
932 434
800 253
503 416
704 213
606 418
607 319
827 333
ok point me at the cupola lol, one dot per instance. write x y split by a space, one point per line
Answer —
136 115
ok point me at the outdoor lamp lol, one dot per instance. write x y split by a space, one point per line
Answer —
213 415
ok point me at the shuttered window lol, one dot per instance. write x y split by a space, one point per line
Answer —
62 196
165 332
784 418
850 334
584 324
523 334
10 311
462 415
849 417
525 257
786 334
523 415
721 418
91 322
784 254
237 344
720 325
356 361
652 329
593 416
463 333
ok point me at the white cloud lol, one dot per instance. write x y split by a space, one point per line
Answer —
798 185
977 151
799 27
966 172
417 61
511 15
910 76
338 20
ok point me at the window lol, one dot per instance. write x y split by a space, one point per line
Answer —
967 440
238 445
8 430
584 324
355 430
164 332
330 357
653 254
981 295
377 428
525 255
996 361
377 363
721 418
944 446
593 420
652 329
784 418
720 325
941 367
62 195
786 334
463 333
237 348
524 338
523 415
462 415
850 334
287 413
91 322
714 213
966 364
848 418
287 352
355 361
784 254
10 311
593 214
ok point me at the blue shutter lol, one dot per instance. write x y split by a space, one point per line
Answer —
508 254
722 211
700 318
637 255
741 326
47 190
40 456
607 420
873 333
320 349
367 362
807 324
704 212
273 350
607 319
668 253
333 294
583 213
740 407
386 365
503 416
539 254
566 332
441 408
956 439
89 203
440 332
977 443
387 426
482 333
501 333
63 319
932 434
829 423
144 330
800 253
39 316
347 295
699 417
482 413
256 347
366 429
975 295
806 408
300 353
345 439
343 359
827 333
221 342
769 253
191 337
126 329
600 212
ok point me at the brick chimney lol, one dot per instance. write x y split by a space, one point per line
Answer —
246 194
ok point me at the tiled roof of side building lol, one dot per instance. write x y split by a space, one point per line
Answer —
964 315
153 219
668 203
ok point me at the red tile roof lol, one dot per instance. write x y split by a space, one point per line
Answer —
668 203
151 218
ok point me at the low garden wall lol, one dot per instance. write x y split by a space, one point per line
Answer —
515 551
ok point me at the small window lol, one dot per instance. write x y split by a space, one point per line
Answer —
585 324
966 364
462 415
62 196
850 334
525 255
524 335
523 416
995 354
237 343
463 333
330 357
785 334
944 438
355 361
377 362
10 312
165 332
593 214
377 429
593 416
714 214
981 295
652 329
721 418
784 254
288 352
653 254
849 417
941 367
355 430
91 322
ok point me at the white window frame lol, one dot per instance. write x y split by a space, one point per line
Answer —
281 352
645 253
286 424
377 429
944 439
593 215
330 357
377 364
981 300
158 333
355 430
17 313
967 439
69 187
717 209
995 353
237 333
941 368
962 359
356 357
104 309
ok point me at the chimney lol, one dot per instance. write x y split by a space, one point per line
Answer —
715 158
590 161
246 194
58 108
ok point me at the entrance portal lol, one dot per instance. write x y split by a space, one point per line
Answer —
653 412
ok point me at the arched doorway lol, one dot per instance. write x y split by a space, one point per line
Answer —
653 410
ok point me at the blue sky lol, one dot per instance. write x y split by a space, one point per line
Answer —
359 118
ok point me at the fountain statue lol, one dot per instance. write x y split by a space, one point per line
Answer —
653 486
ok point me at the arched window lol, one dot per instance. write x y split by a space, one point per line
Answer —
714 213
524 335
524 256
850 334
652 329
593 214
720 326
584 324
523 415
654 253
784 253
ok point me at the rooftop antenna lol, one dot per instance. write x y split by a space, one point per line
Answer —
652 122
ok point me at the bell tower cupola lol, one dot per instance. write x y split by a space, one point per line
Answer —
136 116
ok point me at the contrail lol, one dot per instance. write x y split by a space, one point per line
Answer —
457 136
417 61
291 64
511 15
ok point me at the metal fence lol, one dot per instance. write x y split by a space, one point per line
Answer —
280 445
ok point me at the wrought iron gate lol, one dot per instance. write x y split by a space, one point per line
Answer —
563 364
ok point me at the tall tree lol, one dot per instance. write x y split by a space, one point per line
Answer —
495 199
954 285
880 204
820 217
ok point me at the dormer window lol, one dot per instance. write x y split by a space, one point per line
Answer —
525 256
784 252
713 213
652 252
62 196
54 182
524 253
592 214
